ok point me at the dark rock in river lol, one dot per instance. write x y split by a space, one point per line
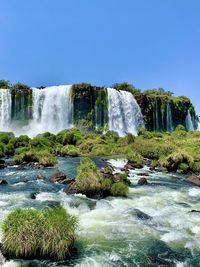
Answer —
3 182
194 179
142 181
195 211
143 174
160 262
2 161
59 177
2 166
141 215
33 195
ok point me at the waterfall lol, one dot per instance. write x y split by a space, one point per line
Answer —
124 114
52 109
5 109
169 120
188 122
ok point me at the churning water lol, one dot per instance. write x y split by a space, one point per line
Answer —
153 225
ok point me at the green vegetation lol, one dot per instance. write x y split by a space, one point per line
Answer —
93 183
29 233
119 189
170 150
4 84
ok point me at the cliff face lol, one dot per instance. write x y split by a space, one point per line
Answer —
90 106
161 111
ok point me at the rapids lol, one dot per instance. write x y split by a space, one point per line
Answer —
112 231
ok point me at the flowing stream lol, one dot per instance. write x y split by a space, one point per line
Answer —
153 225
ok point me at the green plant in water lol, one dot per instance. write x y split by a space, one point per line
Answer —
48 233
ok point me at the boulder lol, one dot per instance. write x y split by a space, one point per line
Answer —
142 181
60 177
2 166
33 195
194 179
2 161
143 174
3 182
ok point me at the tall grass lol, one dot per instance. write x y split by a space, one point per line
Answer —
48 233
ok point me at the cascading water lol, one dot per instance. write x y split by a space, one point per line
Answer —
52 109
188 122
124 114
169 120
5 109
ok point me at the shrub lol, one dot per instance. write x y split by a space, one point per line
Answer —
134 159
153 149
129 139
43 157
69 150
183 167
195 167
174 160
21 141
69 137
88 178
119 189
4 138
28 233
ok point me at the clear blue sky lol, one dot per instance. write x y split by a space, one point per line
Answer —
150 43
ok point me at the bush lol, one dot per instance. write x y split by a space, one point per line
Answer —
28 233
4 138
175 161
119 189
43 157
69 137
135 159
69 150
88 178
129 139
153 149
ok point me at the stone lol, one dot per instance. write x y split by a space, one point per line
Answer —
142 181
3 182
194 179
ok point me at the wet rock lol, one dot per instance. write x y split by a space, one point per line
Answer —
142 181
2 166
143 174
141 215
147 162
33 195
194 179
58 177
160 262
40 177
161 169
195 211
2 161
3 182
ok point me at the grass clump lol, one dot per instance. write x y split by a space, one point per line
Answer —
48 233
119 189
94 183
135 159
42 157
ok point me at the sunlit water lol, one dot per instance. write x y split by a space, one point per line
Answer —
110 231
